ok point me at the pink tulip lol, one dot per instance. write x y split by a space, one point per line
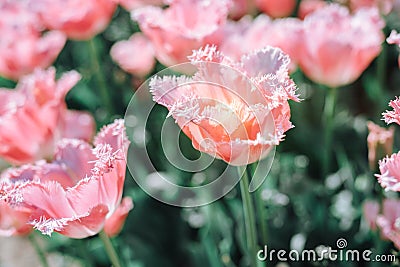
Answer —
282 33
23 45
182 27
114 224
79 20
393 115
337 46
389 176
276 8
394 38
34 116
135 55
222 112
309 6
389 221
370 212
384 6
133 4
80 190
380 141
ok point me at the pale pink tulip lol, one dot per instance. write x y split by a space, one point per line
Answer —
182 27
23 45
233 110
80 190
337 47
33 117
380 141
389 177
79 20
394 38
133 4
393 116
389 221
370 212
115 223
309 6
135 55
276 8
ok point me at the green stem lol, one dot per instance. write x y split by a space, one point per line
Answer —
99 76
249 217
328 116
381 74
112 254
39 250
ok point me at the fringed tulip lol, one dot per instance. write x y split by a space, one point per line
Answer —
135 55
34 116
393 116
233 110
389 177
23 44
337 47
380 143
182 27
276 8
80 190
389 221
79 20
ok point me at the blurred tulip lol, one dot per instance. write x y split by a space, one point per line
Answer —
393 115
276 8
380 143
337 46
135 55
389 177
370 212
34 116
223 113
384 6
309 6
133 4
79 20
80 190
23 45
388 221
394 38
180 28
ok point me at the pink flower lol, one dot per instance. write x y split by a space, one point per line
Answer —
309 6
133 4
380 141
182 27
370 212
80 190
135 55
389 221
233 110
384 6
282 33
239 8
337 46
394 38
389 176
393 115
114 224
276 8
23 45
79 20
37 107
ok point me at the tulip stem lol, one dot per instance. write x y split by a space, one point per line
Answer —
39 250
99 76
112 254
329 113
249 216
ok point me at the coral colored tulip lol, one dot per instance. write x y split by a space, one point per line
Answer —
380 141
23 45
394 38
309 6
370 212
337 47
389 177
80 190
34 116
388 221
135 55
79 20
233 110
114 224
181 28
276 8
